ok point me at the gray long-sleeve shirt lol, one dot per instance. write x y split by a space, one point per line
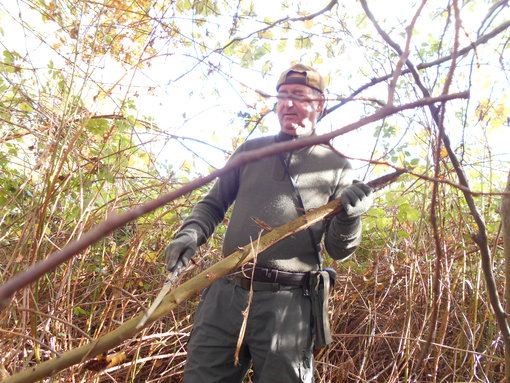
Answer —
263 190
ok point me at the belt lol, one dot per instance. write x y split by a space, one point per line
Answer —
248 284
267 275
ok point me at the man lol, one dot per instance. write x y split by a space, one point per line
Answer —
279 341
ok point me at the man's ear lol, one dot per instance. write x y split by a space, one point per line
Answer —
321 103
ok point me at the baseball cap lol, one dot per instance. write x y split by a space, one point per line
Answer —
312 78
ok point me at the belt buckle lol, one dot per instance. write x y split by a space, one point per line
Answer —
243 271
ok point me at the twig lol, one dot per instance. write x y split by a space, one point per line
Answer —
59 320
246 312
425 177
32 339
505 219
327 8
403 56
462 52
436 283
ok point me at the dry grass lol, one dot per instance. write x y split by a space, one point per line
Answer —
380 320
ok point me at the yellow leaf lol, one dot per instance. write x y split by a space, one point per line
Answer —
308 24
151 257
265 110
116 359
139 161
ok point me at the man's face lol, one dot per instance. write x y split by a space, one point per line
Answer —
298 108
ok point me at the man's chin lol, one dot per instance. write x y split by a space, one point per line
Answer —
290 131
296 130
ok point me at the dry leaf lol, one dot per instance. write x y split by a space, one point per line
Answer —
97 364
116 359
4 374
103 362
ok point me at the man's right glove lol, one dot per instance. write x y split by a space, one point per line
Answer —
179 252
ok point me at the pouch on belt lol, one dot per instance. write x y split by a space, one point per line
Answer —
320 283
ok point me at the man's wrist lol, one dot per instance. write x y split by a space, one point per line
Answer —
193 230
344 219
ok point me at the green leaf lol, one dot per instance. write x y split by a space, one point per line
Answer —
413 215
97 126
25 107
303 42
247 60
79 311
231 49
183 5
8 57
263 50
282 45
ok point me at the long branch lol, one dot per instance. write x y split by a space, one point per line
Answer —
116 221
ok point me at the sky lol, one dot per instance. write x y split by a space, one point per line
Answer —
191 106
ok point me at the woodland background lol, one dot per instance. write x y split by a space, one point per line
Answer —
105 105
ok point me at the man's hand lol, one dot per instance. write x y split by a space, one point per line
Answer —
180 251
356 200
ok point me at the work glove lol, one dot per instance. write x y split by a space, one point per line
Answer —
179 252
356 199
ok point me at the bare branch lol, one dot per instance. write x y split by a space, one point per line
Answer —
462 52
505 219
280 21
425 177
404 55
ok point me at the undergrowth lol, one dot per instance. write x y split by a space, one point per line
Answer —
380 310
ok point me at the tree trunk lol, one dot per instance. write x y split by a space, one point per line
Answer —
505 218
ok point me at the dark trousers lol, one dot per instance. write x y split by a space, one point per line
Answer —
277 342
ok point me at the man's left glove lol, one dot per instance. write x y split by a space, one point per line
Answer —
356 199
179 252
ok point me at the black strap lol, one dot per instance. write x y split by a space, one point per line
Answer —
301 206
